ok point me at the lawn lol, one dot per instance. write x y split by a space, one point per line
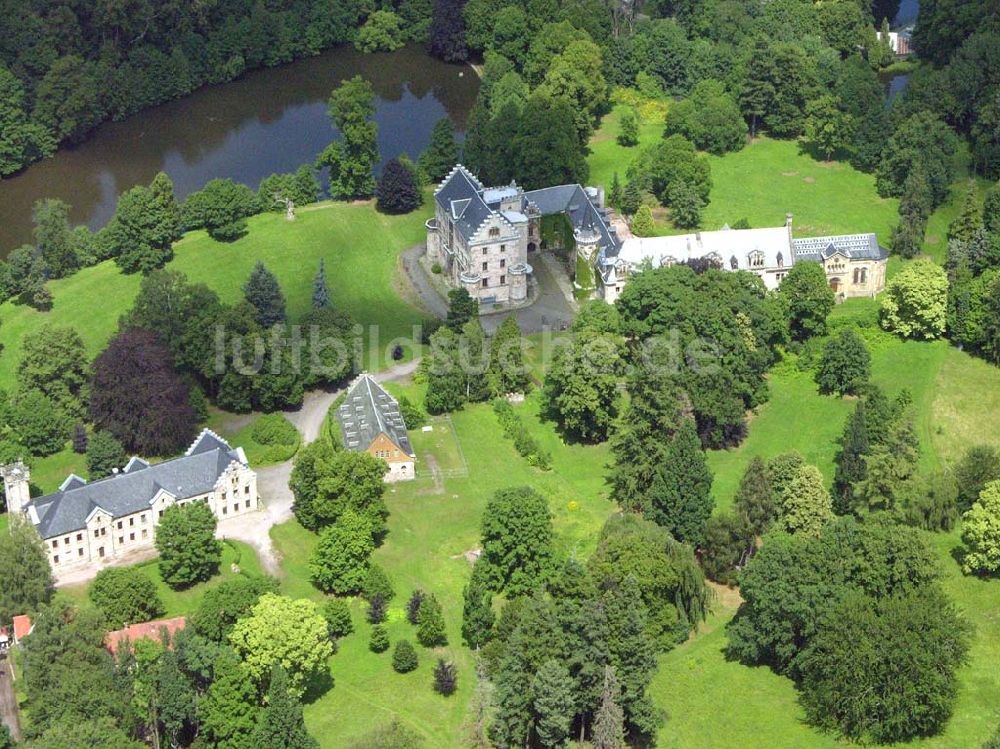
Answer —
184 602
431 527
359 246
237 430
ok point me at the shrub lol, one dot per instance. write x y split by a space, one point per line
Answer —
378 585
274 429
436 268
413 606
338 617
376 610
525 444
404 657
845 366
378 642
430 623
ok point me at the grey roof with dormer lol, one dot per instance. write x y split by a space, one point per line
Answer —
132 490
853 246
460 195
572 201
368 410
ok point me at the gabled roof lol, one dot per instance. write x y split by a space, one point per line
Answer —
147 630
853 246
573 201
460 194
368 410
132 490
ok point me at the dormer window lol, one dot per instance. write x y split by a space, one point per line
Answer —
494 231
756 259
734 263
781 260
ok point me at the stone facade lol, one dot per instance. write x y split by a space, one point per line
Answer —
94 524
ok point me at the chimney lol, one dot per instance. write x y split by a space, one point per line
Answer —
788 220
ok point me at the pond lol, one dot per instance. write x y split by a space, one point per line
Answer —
269 121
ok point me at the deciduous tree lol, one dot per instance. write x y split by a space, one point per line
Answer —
845 365
340 559
125 595
580 387
809 298
516 536
915 301
352 159
806 504
981 532
397 191
189 551
24 567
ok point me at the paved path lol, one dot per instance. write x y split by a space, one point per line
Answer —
554 307
272 481
8 701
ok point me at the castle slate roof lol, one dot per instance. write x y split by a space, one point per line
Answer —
368 410
725 244
854 246
572 200
460 194
132 489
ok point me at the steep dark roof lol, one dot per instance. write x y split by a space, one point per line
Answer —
460 195
572 200
367 411
131 491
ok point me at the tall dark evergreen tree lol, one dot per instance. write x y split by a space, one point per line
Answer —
397 190
448 31
477 612
755 498
441 153
281 725
609 727
553 703
320 293
851 464
264 293
681 495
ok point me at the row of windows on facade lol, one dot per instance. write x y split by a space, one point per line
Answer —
486 282
387 454
503 264
495 232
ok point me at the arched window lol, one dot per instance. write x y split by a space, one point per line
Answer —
756 259
734 263
781 260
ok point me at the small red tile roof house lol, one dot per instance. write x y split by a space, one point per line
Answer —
147 631
22 627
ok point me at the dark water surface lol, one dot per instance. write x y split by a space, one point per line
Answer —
269 121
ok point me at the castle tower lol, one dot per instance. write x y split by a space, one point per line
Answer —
15 482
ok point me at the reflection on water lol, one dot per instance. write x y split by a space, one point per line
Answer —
269 121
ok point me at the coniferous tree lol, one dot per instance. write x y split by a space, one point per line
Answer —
477 612
609 726
377 609
80 439
806 506
446 381
264 293
24 568
507 372
397 190
320 293
413 606
969 219
754 498
441 153
281 725
461 308
681 494
338 617
445 678
850 460
448 31
104 454
228 711
430 624
378 641
404 657
615 192
553 703
631 199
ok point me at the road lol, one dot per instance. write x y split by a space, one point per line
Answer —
8 701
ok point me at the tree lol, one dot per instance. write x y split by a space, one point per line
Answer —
377 584
441 153
615 192
845 365
628 128
609 725
461 308
915 301
828 128
264 293
477 611
54 361
378 640
710 118
809 299
681 495
729 542
507 372
327 483
23 140
448 31
283 630
981 532
220 207
516 539
54 238
580 387
413 606
922 141
547 148
40 425
338 617
642 222
137 395
851 669
553 704
340 559
320 293
631 200
685 207
24 567
970 218
125 595
979 465
404 657
672 162
228 712
224 604
445 678
97 733
79 439
850 459
806 504
189 551
146 223
755 499
104 454
382 32
397 191
352 159
67 101
430 623
281 726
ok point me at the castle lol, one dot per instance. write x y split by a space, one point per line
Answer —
94 524
482 238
